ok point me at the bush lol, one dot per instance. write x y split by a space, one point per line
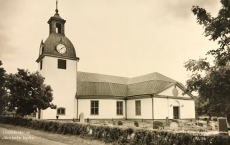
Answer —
118 135
119 123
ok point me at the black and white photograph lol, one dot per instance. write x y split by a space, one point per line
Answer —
115 72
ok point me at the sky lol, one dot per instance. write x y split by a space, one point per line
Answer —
125 38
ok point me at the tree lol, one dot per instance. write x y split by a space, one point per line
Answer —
27 92
212 81
2 91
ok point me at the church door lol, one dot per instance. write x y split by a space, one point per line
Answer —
175 112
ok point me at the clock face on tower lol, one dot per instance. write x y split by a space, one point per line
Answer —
61 48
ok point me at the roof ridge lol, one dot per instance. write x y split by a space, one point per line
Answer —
150 76
103 74
105 82
149 81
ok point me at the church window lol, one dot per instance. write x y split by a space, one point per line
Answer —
61 64
138 107
40 64
58 28
94 107
119 107
61 111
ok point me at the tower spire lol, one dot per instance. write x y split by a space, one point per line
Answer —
56 8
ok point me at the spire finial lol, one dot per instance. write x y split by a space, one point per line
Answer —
56 7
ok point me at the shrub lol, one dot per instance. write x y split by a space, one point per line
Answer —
136 123
46 126
119 123
118 135
54 127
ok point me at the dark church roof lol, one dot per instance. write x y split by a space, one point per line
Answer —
94 77
53 40
93 84
152 76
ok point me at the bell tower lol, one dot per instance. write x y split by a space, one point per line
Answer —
57 63
56 23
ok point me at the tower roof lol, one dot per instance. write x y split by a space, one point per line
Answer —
49 47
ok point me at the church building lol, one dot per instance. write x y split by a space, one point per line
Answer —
152 96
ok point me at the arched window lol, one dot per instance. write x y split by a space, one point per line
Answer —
61 111
58 28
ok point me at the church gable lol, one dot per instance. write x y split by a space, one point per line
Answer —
174 91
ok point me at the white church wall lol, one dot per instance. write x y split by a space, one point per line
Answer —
163 108
63 83
146 109
107 109
42 71
168 92
160 107
48 114
186 108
